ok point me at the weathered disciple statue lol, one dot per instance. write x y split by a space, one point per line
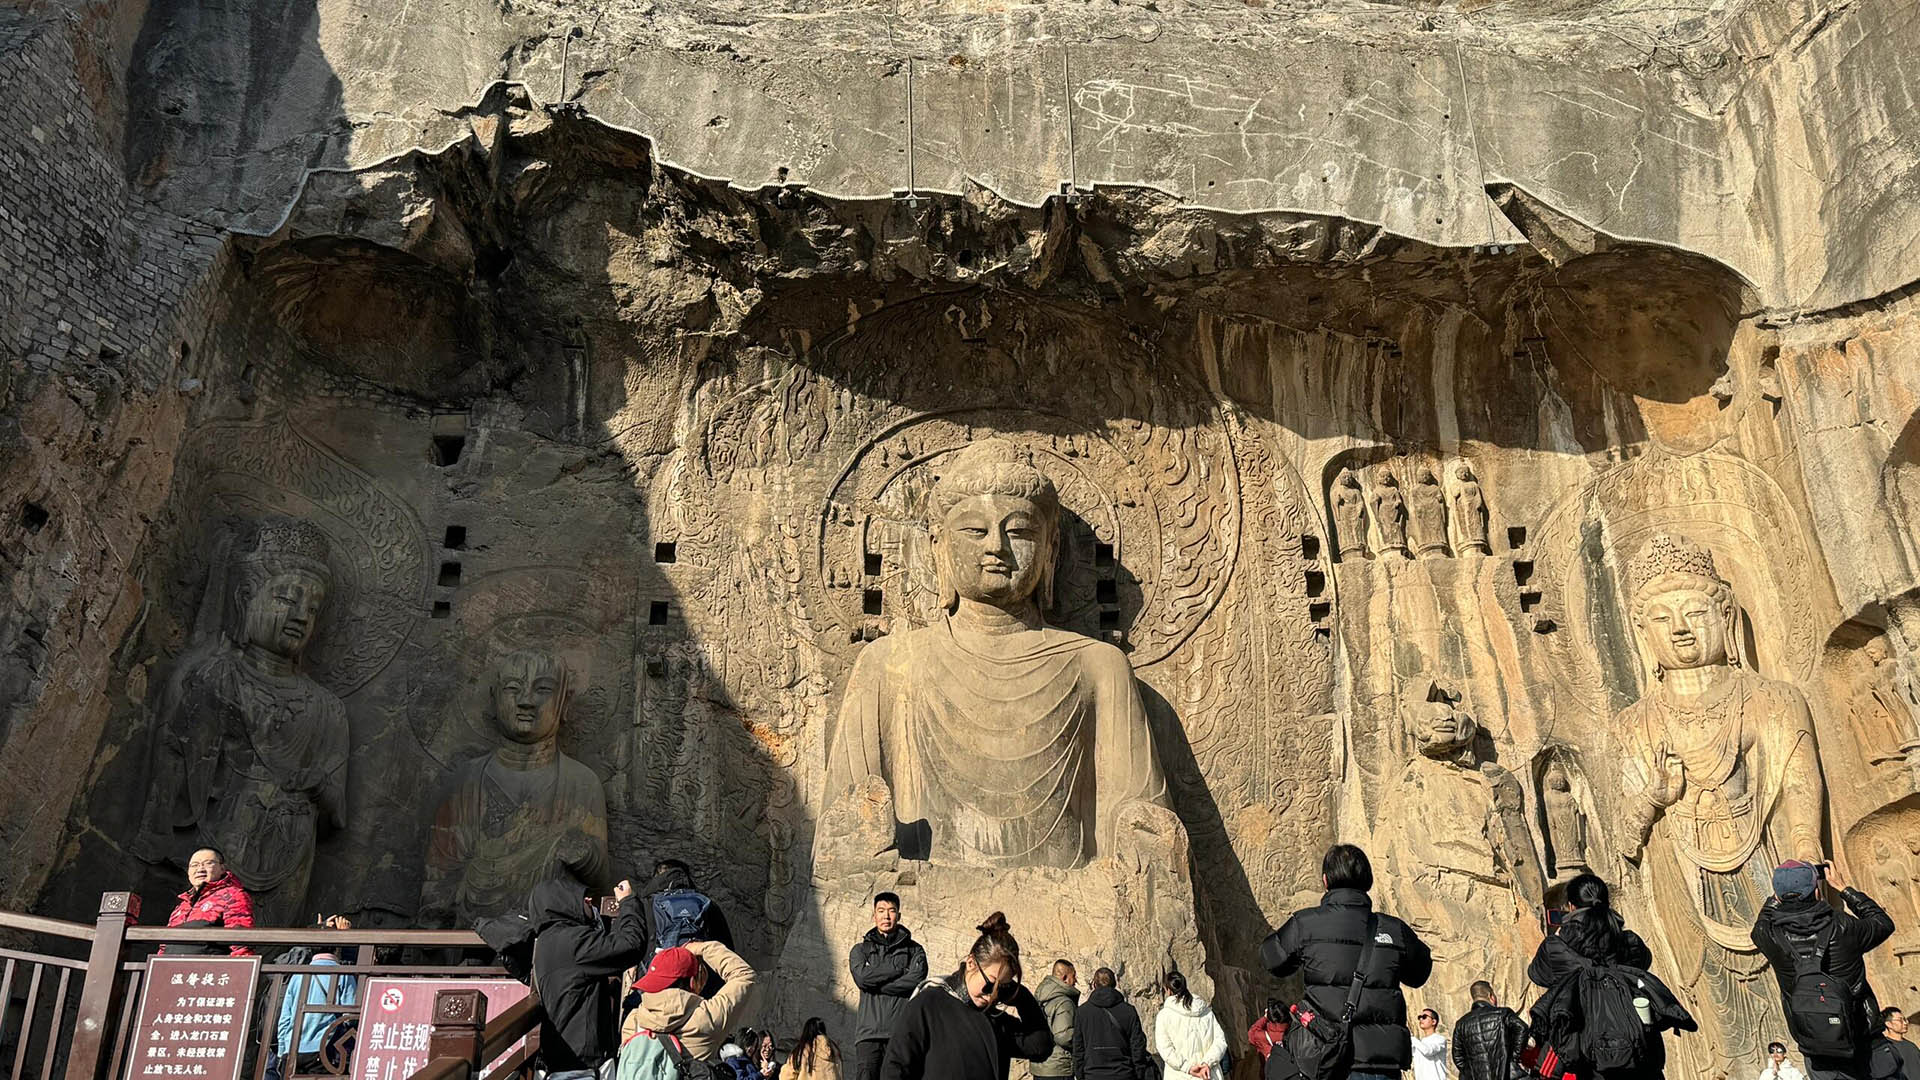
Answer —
1004 741
250 754
522 814
1723 782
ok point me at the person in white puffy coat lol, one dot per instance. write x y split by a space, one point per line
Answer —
1189 1040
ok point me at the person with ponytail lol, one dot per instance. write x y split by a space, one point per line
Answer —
814 1057
1603 1012
971 1024
1187 1036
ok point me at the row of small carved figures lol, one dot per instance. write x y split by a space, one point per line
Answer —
1413 518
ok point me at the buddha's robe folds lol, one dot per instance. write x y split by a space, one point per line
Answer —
501 830
1016 749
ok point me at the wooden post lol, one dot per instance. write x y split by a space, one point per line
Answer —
99 994
459 1027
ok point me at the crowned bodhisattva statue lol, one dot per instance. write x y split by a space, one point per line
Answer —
250 754
1002 741
1723 783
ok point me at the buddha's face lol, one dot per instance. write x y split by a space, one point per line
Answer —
1684 629
283 613
1440 729
528 699
994 547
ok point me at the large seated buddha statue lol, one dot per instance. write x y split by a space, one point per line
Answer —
988 760
1003 741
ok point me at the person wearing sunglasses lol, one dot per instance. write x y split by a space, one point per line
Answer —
1429 1047
970 1025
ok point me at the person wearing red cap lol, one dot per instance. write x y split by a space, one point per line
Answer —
671 1001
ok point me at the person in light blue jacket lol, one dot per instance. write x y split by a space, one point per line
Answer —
319 990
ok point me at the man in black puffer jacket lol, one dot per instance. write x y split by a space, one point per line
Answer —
1488 1040
1324 943
1108 1041
575 955
1797 916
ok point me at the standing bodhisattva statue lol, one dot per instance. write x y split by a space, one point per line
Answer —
1003 741
1723 782
522 814
251 754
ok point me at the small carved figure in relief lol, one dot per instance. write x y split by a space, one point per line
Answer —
251 754
1001 741
1883 717
1427 513
1349 514
1469 511
1723 783
522 814
1566 823
1389 510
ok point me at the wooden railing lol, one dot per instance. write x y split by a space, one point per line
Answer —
68 1003
466 1046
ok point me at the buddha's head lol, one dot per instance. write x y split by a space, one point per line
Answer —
995 524
1683 610
1438 727
530 692
281 577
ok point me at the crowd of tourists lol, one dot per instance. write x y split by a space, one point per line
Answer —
655 991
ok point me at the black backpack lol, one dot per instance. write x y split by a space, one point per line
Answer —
1321 1047
1822 1011
1612 1036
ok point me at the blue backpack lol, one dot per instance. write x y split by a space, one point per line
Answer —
679 916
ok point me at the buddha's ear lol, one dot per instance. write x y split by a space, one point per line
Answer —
942 572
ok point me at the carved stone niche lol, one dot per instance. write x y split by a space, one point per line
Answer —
1418 505
1565 815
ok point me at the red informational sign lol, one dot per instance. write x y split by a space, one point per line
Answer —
396 1016
193 1017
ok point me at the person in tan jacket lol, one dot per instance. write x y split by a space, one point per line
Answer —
815 1057
670 1001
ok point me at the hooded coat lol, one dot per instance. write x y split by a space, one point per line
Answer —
1059 1001
1108 1041
1783 924
1324 944
888 968
700 1023
1188 1035
1592 939
574 953
941 1036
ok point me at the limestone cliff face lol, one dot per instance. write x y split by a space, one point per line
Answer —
1367 350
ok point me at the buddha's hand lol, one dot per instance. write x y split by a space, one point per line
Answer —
575 851
1669 778
857 831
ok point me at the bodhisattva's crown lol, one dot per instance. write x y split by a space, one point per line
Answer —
282 544
1667 554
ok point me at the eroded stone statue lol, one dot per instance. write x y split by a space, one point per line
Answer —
1349 514
1469 511
250 754
1003 741
1389 510
1427 513
1566 822
1462 866
1723 781
522 814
